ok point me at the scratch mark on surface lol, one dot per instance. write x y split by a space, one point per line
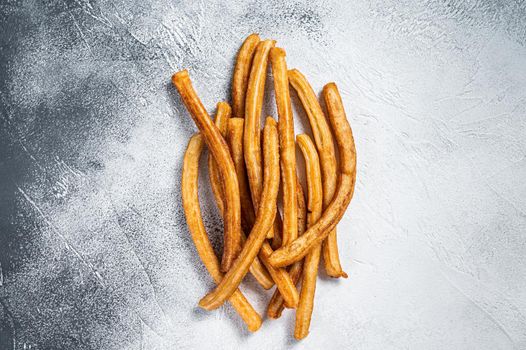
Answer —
514 206
31 155
87 8
141 344
480 307
150 282
58 233
78 27
146 325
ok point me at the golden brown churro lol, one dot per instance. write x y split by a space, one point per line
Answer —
280 276
196 227
312 259
221 121
219 149
264 220
287 145
251 138
241 73
235 142
253 105
325 146
297 249
275 306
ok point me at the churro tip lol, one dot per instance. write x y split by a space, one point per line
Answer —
178 76
331 85
278 51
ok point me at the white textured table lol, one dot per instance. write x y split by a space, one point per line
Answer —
95 253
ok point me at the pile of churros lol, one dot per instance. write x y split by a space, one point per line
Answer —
246 165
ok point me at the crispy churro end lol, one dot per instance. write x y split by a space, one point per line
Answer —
224 105
337 274
273 259
274 315
300 336
234 123
271 121
293 305
271 41
255 327
179 76
330 86
301 137
202 304
278 52
293 71
253 36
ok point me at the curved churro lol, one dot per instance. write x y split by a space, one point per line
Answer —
312 259
196 227
241 73
325 146
235 142
275 306
264 220
287 145
221 121
219 149
253 105
297 249
251 138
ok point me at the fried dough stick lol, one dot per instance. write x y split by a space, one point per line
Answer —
234 138
281 277
297 249
312 259
221 121
219 149
287 145
196 227
241 73
275 306
264 220
251 137
325 146
253 106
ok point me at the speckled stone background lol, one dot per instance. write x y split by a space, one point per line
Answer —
94 249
